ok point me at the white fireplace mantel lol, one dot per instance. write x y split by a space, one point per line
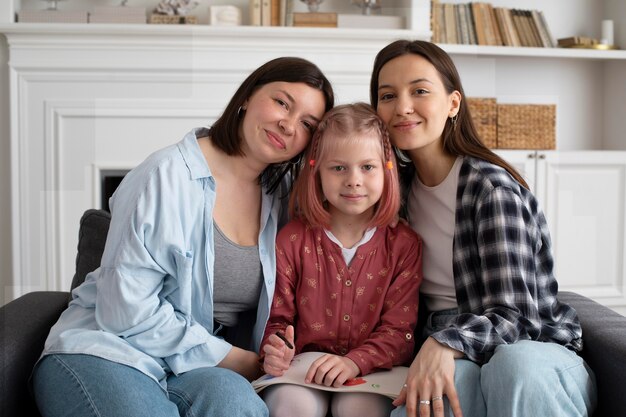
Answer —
88 98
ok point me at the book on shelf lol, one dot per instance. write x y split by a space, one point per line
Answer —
544 32
507 27
497 36
470 23
461 29
479 25
450 22
436 22
275 8
576 41
255 12
487 22
388 383
266 12
287 6
501 23
315 19
532 29
520 28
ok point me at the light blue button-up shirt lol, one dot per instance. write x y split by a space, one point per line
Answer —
150 304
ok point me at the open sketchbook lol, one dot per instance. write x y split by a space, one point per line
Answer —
387 383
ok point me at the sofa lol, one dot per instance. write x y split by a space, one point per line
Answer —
25 322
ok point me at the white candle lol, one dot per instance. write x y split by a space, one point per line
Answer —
607 32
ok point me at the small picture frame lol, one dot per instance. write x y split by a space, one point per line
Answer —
225 15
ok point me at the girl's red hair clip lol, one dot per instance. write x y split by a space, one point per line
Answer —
312 162
389 165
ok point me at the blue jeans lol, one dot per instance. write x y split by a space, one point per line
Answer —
85 386
523 379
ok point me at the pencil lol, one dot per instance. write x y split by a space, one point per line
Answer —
284 339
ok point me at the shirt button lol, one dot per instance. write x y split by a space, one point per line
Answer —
346 317
408 336
343 351
348 283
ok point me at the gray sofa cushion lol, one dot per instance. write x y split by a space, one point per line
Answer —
94 226
604 350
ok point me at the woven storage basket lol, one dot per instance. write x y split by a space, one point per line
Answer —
484 116
172 19
526 126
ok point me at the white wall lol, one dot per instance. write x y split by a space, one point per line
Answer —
5 167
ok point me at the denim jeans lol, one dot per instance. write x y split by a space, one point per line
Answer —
83 385
523 379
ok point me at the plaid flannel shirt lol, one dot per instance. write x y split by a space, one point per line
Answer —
503 268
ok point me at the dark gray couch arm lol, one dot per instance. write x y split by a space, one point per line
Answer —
604 349
24 326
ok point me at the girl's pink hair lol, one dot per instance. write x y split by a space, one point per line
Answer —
351 124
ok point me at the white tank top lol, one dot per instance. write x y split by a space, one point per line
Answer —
432 215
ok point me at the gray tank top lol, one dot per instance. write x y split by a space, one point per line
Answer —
238 278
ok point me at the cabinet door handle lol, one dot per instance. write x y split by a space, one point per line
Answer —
542 156
531 156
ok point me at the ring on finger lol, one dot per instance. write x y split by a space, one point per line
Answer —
424 402
436 398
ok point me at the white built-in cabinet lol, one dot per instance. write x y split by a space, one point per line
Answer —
87 98
583 195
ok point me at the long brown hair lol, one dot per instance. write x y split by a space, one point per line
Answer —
461 140
225 131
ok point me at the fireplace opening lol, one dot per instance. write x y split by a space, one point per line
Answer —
110 179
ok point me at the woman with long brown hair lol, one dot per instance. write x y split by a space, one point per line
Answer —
497 340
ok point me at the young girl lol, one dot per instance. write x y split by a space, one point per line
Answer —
489 284
347 282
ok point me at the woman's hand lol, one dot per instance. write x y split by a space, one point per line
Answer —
278 355
431 376
244 362
331 370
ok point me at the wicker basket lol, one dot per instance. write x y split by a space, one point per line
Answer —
484 115
172 19
526 126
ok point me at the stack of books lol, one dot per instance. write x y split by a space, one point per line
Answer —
271 12
479 23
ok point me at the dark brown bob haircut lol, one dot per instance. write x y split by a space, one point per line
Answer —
460 141
225 131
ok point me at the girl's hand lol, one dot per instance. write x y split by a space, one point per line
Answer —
331 370
278 355
431 375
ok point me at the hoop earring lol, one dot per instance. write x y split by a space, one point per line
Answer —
453 120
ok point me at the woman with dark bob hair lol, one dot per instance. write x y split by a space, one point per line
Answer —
160 328
497 340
